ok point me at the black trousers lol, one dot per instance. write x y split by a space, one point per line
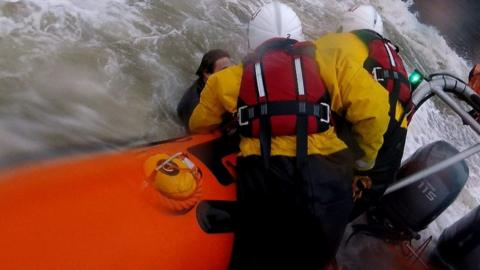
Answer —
291 217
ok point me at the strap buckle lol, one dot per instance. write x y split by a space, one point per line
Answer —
302 107
263 109
325 117
375 74
239 113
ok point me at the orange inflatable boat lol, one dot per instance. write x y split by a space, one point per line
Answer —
164 206
134 209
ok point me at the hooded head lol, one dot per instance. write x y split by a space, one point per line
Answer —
274 20
362 17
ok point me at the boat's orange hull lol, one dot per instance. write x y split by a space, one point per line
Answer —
99 212
102 212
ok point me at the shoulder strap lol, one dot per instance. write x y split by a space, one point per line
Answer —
270 45
367 36
305 48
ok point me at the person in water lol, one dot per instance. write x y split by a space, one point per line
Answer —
294 180
213 61
362 39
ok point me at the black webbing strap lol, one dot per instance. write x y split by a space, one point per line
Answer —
393 97
407 111
320 110
381 75
302 136
265 134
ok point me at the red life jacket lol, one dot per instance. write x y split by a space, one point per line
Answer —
387 68
282 94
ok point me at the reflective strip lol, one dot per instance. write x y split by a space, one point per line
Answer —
392 60
260 87
298 71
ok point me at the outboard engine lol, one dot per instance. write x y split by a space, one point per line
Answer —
400 215
459 244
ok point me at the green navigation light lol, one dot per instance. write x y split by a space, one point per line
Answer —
415 78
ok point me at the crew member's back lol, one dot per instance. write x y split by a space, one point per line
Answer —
362 40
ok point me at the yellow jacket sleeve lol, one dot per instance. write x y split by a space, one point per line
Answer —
366 106
354 94
219 95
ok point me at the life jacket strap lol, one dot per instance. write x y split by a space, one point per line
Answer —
302 140
381 75
320 110
265 136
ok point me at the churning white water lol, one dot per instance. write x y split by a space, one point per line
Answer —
80 72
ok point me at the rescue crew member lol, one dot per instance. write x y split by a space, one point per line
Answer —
362 39
294 173
213 61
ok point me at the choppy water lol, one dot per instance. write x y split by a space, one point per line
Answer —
80 72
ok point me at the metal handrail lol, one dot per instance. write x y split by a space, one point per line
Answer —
440 85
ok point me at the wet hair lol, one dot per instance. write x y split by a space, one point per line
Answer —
208 61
